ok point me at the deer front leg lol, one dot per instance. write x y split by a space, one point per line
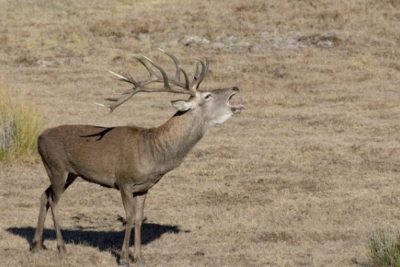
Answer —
127 201
139 204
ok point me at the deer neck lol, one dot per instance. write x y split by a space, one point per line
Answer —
176 137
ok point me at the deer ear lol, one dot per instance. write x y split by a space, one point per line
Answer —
182 105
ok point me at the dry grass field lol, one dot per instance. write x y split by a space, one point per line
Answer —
300 178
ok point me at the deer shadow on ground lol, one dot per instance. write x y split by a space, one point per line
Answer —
103 240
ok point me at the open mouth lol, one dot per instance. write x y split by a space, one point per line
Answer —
235 107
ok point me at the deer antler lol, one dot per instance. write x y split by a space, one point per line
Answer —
174 85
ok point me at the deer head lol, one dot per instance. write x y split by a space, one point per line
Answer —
214 106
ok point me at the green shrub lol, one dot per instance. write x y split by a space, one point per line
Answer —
19 127
384 248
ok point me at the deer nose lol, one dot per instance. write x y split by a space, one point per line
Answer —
236 89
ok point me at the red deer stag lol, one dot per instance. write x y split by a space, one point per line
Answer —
130 159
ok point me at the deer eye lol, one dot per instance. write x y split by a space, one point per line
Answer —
208 97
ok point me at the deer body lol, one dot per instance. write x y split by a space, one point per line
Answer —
116 156
129 158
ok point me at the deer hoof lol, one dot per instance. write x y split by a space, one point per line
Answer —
131 255
36 247
139 261
62 249
123 263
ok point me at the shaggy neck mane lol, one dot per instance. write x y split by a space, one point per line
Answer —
179 134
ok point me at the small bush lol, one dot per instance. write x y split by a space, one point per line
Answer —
19 127
384 248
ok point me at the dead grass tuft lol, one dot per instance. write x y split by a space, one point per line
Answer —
119 29
321 40
384 248
19 127
107 28
275 237
26 60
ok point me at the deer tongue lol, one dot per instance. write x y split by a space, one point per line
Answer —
236 108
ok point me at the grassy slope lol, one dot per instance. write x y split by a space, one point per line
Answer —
299 179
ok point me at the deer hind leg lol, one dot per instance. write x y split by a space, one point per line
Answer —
49 199
37 242
58 186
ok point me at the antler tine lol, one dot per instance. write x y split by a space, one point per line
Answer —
204 71
118 101
177 64
187 84
163 73
198 77
152 74
122 78
197 71
178 71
